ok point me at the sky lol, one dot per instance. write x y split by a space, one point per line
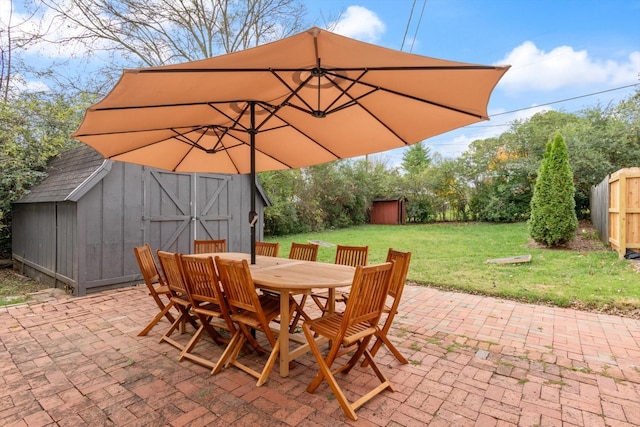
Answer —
565 55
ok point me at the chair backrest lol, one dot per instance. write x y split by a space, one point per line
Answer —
267 249
241 295
304 251
209 246
352 255
172 268
367 295
399 278
148 266
201 280
239 290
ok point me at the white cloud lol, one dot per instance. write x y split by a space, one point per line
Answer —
535 69
359 23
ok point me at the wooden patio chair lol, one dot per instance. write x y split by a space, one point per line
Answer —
354 328
249 311
209 246
305 252
155 284
208 304
172 268
345 255
267 249
396 288
352 255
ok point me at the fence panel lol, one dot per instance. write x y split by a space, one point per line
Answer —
600 209
624 210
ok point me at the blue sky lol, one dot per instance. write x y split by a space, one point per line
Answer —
557 50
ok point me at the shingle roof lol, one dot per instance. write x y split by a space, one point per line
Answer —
66 172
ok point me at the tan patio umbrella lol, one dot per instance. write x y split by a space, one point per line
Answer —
308 99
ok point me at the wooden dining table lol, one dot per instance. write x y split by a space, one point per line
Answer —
293 277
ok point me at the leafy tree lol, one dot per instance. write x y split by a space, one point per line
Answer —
553 217
416 159
449 188
281 188
33 128
499 184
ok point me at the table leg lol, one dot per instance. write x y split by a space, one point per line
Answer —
331 302
284 333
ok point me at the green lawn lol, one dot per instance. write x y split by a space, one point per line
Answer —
453 256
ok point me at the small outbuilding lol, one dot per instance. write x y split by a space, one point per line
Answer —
77 228
389 211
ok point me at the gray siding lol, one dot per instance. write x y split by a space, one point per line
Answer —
67 245
44 242
87 244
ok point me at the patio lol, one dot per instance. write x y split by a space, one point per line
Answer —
473 361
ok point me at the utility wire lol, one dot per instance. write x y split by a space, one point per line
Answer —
415 35
408 23
566 99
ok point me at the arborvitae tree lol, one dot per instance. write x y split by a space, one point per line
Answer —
553 218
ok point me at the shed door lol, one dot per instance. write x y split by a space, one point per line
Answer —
213 207
180 207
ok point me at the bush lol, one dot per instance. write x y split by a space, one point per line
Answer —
553 220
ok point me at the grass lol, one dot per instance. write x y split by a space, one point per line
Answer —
452 256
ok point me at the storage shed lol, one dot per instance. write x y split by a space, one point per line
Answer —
77 228
389 211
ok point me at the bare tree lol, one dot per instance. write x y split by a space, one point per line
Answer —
158 32
16 35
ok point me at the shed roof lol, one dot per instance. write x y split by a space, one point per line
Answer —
70 174
389 199
74 172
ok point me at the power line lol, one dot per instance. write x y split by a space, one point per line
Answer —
415 34
478 126
408 23
566 99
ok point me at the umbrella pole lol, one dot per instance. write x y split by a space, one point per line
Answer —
253 216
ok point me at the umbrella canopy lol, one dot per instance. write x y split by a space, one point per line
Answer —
308 99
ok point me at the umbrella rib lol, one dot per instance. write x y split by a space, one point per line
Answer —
294 93
307 136
344 92
267 107
333 69
415 98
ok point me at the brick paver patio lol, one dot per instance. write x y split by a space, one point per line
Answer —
474 361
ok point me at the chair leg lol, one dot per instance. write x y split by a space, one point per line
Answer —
271 362
383 338
162 305
229 353
156 319
325 372
167 335
328 374
191 344
184 314
299 310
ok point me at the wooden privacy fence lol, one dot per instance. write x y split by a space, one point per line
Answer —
621 195
599 206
